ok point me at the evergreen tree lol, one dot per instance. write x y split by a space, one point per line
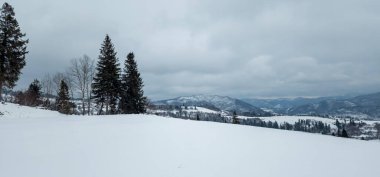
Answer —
270 124
63 100
12 48
132 98
275 125
234 118
337 123
33 94
377 127
344 133
106 86
20 98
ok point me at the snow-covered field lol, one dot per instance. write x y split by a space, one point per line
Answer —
40 143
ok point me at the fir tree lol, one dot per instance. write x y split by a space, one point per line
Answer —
275 125
106 86
234 118
33 94
337 123
132 98
63 100
344 133
12 48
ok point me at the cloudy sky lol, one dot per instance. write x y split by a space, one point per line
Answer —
239 48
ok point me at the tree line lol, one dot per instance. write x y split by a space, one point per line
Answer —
114 90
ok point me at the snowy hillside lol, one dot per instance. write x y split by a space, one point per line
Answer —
42 143
217 102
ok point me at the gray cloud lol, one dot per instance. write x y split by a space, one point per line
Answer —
239 48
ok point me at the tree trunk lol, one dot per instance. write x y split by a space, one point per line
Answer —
107 104
88 106
1 91
89 102
83 107
100 110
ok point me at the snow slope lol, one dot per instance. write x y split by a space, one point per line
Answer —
43 143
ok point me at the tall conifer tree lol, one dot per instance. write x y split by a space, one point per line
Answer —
12 48
33 94
106 85
63 100
132 99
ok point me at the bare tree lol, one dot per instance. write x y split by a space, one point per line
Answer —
69 79
57 78
82 71
47 84
89 85
47 89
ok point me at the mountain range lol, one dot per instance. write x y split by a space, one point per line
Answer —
283 105
362 106
216 102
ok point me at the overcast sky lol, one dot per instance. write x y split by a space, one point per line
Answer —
239 48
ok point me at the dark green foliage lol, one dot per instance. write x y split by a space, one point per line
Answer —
352 122
353 128
270 124
275 125
338 124
344 133
106 84
235 119
20 97
12 48
132 94
377 127
286 126
33 94
63 100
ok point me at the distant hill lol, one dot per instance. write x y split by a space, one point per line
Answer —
216 102
283 105
364 106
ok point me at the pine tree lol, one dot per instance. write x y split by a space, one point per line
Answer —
234 118
337 123
344 133
12 48
33 94
106 86
63 100
132 98
275 125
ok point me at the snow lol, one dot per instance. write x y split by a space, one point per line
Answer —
190 109
201 109
294 119
41 143
220 102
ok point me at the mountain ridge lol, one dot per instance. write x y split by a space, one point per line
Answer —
363 106
215 102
